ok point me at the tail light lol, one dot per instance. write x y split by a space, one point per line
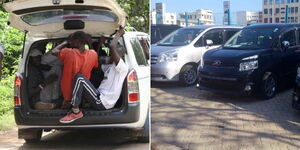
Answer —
133 87
17 91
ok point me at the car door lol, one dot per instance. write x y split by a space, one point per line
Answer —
288 56
60 17
215 35
138 60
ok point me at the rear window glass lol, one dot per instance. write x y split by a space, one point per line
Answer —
54 16
138 52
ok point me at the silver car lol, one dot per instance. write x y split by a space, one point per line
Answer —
176 57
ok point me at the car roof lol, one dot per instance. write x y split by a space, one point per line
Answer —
273 25
212 26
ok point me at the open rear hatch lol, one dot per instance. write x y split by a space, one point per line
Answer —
58 18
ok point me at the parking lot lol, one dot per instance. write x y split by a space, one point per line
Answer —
186 118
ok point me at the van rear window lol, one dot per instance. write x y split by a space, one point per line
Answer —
55 16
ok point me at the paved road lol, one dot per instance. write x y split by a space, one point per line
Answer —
74 140
186 118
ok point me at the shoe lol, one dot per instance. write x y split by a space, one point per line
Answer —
44 106
70 117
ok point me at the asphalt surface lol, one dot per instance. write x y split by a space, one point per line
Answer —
75 140
187 118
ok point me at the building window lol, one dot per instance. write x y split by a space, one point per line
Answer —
282 1
270 2
270 11
270 20
277 20
296 10
292 19
265 11
266 20
277 1
265 2
277 10
288 1
296 19
292 10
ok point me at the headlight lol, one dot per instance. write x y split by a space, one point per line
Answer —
249 65
167 57
298 72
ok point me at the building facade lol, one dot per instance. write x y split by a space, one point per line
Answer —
226 17
199 17
281 11
160 16
247 17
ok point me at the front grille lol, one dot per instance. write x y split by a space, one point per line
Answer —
222 64
154 59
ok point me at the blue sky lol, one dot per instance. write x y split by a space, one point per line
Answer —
177 6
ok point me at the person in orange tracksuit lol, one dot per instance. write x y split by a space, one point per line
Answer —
76 59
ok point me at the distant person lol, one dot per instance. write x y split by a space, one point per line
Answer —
76 59
40 87
1 58
107 94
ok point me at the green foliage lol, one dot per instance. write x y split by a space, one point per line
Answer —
6 95
138 13
12 39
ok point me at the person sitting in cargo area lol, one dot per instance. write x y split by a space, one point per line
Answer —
97 73
76 59
41 88
106 95
1 58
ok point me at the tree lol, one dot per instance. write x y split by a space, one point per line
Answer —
12 39
138 13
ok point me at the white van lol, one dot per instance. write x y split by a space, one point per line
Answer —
52 21
176 57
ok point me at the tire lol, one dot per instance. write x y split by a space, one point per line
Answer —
143 137
268 87
30 135
188 75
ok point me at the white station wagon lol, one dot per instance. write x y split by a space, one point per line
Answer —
50 22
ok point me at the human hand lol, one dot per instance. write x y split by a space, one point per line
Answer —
121 31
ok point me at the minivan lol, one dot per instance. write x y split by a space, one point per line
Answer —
296 91
159 31
51 22
253 61
176 57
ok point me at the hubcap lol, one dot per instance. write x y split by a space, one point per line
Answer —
270 86
190 76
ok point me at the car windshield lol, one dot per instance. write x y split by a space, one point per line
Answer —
252 38
54 16
180 37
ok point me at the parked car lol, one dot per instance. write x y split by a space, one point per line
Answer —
176 57
52 22
253 61
159 31
296 91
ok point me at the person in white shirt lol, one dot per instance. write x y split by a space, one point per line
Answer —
1 58
107 94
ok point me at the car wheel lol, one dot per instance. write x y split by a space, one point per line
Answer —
188 75
269 87
30 136
144 135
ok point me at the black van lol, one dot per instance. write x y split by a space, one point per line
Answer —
296 92
254 60
159 31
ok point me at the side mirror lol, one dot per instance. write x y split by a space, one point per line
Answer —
209 42
285 45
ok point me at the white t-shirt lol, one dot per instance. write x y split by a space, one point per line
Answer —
1 49
111 86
